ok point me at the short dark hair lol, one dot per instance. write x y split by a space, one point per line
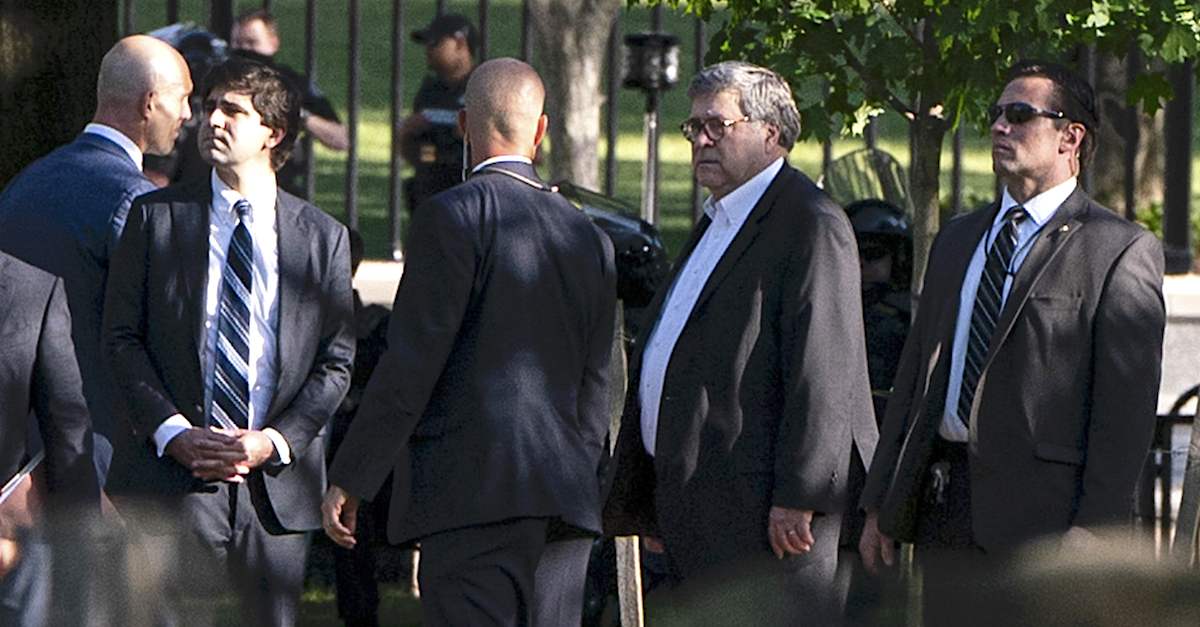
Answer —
1072 95
273 96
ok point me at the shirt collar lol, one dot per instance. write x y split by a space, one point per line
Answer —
501 159
224 197
1041 207
118 138
737 205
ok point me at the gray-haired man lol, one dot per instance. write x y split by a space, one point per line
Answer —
748 393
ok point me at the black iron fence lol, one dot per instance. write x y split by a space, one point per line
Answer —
220 16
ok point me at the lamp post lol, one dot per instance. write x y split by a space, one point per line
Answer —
651 65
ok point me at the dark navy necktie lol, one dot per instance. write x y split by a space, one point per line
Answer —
988 300
231 380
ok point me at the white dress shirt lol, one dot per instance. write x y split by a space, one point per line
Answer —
501 159
264 307
1040 209
728 215
118 138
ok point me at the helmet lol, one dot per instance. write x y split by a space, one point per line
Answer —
878 217
883 229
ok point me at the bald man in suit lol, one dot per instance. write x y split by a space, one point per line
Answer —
65 212
491 400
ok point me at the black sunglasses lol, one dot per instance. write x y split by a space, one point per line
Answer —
1020 113
715 128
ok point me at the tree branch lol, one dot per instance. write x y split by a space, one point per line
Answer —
883 7
875 83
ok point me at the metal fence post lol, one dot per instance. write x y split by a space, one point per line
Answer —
352 126
396 184
610 113
310 70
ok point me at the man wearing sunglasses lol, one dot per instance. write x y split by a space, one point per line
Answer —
1025 400
749 390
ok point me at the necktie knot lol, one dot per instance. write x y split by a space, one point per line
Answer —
1016 216
242 207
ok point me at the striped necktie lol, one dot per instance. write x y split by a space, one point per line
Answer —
231 380
988 301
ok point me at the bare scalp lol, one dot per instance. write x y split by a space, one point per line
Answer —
137 65
504 102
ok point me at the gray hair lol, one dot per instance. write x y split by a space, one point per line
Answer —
762 94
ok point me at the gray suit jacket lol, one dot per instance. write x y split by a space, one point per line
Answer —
39 373
765 394
152 331
64 214
1065 408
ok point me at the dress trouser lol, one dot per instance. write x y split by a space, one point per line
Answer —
957 575
185 555
502 574
482 575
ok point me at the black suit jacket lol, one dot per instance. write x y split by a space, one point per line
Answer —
38 372
490 402
1065 408
154 306
766 389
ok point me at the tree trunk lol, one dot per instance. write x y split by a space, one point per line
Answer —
571 40
1119 125
925 138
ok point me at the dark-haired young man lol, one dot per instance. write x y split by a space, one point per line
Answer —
1025 397
228 319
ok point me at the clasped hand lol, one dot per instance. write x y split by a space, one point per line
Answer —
216 454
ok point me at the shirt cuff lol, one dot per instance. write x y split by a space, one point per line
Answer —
167 431
281 446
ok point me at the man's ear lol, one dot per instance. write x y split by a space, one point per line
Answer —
277 135
148 103
1072 138
540 134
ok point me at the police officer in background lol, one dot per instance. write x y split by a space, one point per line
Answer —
885 252
429 139
885 255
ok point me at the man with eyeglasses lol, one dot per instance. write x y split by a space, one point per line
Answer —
1025 399
751 388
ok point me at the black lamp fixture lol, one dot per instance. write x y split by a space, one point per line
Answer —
651 64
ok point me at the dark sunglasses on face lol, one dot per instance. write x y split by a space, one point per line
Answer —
715 128
1020 113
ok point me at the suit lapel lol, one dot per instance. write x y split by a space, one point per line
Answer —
746 235
1046 244
293 233
959 250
